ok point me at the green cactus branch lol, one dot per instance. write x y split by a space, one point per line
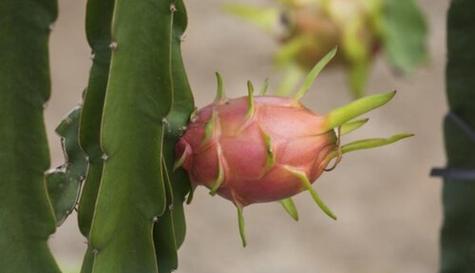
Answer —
64 183
98 31
132 195
170 229
152 192
27 218
458 231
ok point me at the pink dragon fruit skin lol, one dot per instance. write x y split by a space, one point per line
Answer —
266 148
255 151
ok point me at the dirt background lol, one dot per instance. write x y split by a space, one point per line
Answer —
389 209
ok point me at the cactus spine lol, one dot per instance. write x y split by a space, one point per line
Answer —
458 232
27 217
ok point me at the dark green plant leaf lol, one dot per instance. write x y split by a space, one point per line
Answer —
404 34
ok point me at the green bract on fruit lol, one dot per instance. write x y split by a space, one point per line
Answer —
268 148
307 29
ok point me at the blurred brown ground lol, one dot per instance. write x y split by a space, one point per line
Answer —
389 209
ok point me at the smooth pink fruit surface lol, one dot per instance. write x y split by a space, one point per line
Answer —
248 152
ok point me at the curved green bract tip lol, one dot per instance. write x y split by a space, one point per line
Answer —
270 156
220 95
290 208
308 186
356 108
182 158
250 99
368 143
220 176
314 73
210 127
265 87
350 126
242 230
372 142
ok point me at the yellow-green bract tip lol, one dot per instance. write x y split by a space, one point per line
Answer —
356 108
314 73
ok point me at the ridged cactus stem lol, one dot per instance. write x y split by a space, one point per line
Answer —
133 195
27 218
98 31
458 231
138 99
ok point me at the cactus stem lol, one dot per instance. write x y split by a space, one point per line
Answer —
220 94
308 186
313 74
242 230
220 177
290 208
350 126
265 87
270 156
250 100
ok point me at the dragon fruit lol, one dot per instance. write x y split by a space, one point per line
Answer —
268 148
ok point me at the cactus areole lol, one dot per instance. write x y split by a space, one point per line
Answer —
259 149
251 155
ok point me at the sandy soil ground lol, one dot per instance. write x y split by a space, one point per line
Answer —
389 209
